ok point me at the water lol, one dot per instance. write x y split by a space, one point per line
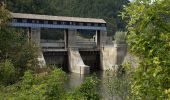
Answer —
74 80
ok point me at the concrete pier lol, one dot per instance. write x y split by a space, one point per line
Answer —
112 56
76 64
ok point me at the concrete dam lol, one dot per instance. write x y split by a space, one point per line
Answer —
82 48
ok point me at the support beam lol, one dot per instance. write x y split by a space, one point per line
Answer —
101 38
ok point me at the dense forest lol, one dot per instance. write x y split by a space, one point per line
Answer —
105 9
148 29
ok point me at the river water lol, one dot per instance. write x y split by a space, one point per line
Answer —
74 80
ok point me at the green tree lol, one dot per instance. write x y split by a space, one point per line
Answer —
55 85
14 46
149 34
7 73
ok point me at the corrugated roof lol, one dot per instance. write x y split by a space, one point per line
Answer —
61 18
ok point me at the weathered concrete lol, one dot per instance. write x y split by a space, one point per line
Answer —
76 64
71 38
121 53
111 56
108 56
35 35
41 60
101 38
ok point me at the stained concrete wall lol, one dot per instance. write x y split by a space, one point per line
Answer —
111 56
41 60
76 64
35 35
92 59
71 38
101 38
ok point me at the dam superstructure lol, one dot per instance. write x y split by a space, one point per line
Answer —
73 52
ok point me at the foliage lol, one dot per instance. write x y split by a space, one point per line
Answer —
39 87
5 34
26 58
7 73
14 46
4 16
49 86
55 85
118 83
120 37
86 91
149 34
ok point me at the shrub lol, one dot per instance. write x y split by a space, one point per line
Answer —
7 73
55 85
86 91
120 37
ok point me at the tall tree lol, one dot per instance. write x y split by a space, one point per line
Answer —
149 38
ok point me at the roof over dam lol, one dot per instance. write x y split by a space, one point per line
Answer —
47 21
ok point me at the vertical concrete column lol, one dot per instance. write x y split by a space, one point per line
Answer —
35 35
72 38
65 39
101 38
96 37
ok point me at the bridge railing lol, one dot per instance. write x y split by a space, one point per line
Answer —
52 44
84 44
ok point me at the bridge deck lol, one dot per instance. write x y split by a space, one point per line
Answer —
46 21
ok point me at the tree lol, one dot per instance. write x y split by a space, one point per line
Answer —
55 85
7 73
148 27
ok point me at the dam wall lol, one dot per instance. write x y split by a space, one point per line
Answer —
112 56
76 64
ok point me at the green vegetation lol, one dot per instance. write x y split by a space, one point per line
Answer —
149 38
120 37
49 86
86 91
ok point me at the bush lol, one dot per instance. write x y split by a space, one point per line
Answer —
7 73
55 85
86 91
149 37
120 37
26 58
